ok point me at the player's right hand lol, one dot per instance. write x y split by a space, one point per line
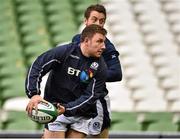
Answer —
33 102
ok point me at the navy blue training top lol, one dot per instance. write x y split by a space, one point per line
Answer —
75 81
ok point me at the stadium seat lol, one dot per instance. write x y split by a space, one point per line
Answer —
170 83
142 94
58 17
35 39
58 7
124 121
120 97
176 28
176 113
16 103
157 50
171 97
128 62
16 65
29 8
174 17
11 89
130 72
171 6
61 28
164 72
153 104
16 121
3 118
60 38
161 122
160 61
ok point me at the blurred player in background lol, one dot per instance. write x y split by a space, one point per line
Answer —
76 80
99 126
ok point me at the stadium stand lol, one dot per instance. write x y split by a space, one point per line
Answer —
145 32
32 28
150 59
57 12
12 67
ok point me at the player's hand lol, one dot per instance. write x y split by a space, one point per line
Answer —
60 109
33 102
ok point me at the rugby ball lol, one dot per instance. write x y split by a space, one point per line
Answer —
45 113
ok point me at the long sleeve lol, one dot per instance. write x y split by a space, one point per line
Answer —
111 57
42 65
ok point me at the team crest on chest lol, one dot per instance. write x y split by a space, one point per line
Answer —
94 65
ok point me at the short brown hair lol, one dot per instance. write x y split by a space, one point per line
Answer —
97 7
90 30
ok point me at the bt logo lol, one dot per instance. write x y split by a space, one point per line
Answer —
84 76
73 71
